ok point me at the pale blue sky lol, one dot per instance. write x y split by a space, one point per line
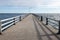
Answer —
29 6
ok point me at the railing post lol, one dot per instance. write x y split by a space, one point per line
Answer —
14 21
59 28
46 21
0 27
41 18
20 18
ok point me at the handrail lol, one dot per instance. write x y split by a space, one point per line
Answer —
8 22
47 20
53 19
6 19
53 23
54 26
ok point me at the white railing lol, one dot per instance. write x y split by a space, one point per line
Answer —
6 23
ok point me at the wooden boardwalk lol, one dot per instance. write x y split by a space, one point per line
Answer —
30 28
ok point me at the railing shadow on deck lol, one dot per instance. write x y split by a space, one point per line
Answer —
38 33
52 32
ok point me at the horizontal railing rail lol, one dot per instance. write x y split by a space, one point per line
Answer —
53 19
53 23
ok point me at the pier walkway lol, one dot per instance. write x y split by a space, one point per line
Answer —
30 28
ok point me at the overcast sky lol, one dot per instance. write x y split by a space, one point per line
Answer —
29 6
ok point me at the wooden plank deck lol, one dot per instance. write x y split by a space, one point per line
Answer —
30 29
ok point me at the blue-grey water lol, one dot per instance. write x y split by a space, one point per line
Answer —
8 15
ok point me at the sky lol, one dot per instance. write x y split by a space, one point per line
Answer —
29 6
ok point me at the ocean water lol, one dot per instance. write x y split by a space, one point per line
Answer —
8 15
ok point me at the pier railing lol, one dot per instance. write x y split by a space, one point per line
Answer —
54 23
50 21
6 23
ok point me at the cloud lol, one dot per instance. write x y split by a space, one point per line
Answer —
18 3
31 3
54 3
3 2
49 4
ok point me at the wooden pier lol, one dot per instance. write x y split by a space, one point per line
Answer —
30 28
